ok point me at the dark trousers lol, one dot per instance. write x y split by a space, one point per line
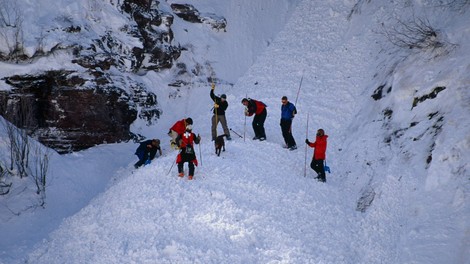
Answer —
286 125
258 124
318 167
142 159
190 166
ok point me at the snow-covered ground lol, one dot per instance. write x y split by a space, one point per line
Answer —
258 202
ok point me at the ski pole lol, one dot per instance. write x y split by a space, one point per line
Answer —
305 166
236 133
200 153
172 164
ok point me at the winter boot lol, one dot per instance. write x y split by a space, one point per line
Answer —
190 177
181 174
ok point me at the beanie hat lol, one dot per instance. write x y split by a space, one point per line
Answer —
223 96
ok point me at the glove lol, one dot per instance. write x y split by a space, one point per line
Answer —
216 106
212 86
307 142
198 137
147 162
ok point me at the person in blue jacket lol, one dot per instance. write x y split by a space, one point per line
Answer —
147 151
288 112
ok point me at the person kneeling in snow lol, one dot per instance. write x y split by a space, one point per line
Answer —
147 151
318 154
187 153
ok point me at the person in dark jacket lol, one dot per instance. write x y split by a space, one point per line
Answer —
147 151
288 112
257 108
178 128
319 154
220 106
187 153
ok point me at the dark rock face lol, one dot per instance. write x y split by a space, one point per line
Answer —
189 13
157 46
54 109
186 12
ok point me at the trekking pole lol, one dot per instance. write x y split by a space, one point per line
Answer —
200 153
305 166
215 112
236 133
298 90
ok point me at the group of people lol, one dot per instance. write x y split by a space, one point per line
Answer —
183 138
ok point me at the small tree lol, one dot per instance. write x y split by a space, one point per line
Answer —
19 143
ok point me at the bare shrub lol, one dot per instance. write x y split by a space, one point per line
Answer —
418 34
39 168
19 141
27 158
19 149
11 28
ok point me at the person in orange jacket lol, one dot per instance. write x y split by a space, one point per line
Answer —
257 108
178 129
319 155
187 153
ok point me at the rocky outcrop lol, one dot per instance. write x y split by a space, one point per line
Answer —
189 13
61 115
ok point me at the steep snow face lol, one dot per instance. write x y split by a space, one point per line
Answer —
251 27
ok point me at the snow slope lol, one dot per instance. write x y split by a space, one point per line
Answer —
254 205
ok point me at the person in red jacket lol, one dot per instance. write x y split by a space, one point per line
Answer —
177 129
187 152
319 154
257 108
